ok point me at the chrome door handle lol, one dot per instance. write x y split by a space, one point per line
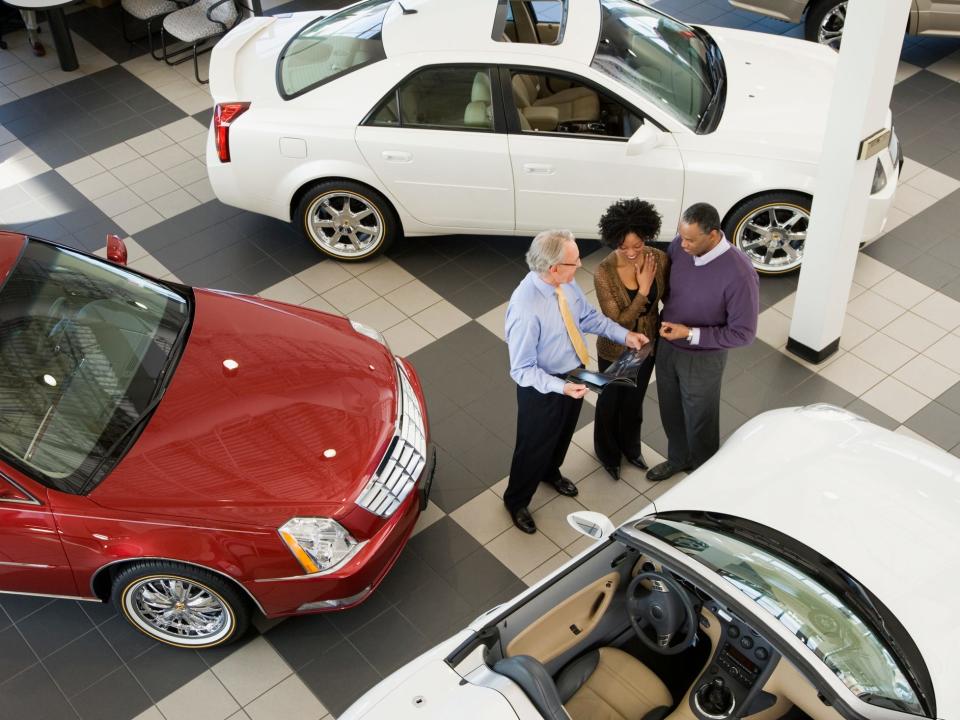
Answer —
397 156
538 169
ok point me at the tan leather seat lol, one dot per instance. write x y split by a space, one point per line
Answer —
576 104
479 111
620 687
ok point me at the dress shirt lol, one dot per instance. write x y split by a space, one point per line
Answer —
537 338
701 260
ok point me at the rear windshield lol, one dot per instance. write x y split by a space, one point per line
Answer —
332 46
84 347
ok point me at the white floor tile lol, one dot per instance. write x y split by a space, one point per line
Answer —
385 277
290 290
318 303
884 353
896 399
150 142
914 332
441 319
911 200
927 376
948 67
428 517
601 493
907 432
187 173
349 296
204 697
905 70
115 155
773 327
85 167
578 463
940 310
134 171
174 203
137 219
494 320
873 309
854 332
852 374
946 351
911 168
551 565
551 520
324 275
290 700
522 553
169 157
184 128
902 290
201 190
153 186
250 671
380 315
934 183
869 271
413 297
118 201
407 337
30 86
98 186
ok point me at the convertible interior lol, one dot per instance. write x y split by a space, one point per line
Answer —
622 637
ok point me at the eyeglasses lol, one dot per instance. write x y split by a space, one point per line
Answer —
573 264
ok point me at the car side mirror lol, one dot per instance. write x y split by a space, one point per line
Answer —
592 524
644 140
116 250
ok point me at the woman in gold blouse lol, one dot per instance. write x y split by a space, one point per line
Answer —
629 283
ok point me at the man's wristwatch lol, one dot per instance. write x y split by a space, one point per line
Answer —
689 335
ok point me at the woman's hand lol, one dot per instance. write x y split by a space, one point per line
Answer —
646 270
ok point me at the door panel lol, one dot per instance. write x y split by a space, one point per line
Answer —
938 17
569 181
32 559
568 623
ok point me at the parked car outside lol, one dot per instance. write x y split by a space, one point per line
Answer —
484 116
193 455
823 20
813 579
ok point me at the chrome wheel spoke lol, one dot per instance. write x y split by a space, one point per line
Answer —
759 230
791 251
351 231
179 608
753 245
366 212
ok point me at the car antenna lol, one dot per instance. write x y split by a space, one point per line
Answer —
406 11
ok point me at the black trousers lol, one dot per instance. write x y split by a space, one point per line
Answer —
619 416
688 389
545 426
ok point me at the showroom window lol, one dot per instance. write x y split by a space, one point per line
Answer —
551 103
539 22
331 47
448 98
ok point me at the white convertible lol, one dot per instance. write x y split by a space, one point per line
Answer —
807 572
430 117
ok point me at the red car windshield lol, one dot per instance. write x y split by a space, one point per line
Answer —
84 350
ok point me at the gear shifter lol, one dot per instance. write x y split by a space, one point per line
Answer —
714 699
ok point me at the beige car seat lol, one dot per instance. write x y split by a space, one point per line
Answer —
576 104
479 111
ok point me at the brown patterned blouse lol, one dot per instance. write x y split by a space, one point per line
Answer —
640 314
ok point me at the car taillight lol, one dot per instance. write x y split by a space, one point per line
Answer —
223 115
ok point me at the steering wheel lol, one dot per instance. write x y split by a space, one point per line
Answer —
661 610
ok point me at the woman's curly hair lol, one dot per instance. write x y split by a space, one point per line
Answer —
629 216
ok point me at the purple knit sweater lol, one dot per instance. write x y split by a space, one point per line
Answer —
722 298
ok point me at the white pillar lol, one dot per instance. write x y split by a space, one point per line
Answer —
867 66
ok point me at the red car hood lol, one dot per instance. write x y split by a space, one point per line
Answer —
251 446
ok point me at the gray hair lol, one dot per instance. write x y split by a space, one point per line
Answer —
546 250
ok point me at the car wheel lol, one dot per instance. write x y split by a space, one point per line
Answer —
347 221
772 230
180 605
825 21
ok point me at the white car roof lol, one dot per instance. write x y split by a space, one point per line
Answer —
464 26
882 506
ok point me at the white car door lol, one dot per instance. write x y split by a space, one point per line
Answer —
434 146
571 157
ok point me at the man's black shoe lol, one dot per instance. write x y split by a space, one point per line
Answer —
524 520
565 487
638 461
613 471
665 470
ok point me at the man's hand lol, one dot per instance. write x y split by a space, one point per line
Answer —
636 340
674 331
574 390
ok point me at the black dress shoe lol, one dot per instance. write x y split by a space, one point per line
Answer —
638 461
524 520
665 470
565 487
613 471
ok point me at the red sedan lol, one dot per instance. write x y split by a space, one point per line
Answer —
195 455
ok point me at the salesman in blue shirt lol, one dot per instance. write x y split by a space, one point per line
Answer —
546 318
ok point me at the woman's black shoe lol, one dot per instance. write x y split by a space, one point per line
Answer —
638 461
613 471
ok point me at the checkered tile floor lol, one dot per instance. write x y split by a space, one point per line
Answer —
117 147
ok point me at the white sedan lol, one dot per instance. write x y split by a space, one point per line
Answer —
808 571
425 117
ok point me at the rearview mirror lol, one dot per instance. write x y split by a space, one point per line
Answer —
644 140
116 250
592 524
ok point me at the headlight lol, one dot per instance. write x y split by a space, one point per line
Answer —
318 543
879 179
369 332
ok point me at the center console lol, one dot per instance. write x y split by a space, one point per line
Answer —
732 684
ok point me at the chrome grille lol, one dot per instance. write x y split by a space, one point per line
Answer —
405 457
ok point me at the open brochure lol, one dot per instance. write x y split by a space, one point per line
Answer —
623 370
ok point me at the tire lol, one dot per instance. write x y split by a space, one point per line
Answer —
772 230
141 591
336 217
824 22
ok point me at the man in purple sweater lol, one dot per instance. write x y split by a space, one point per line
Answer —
712 304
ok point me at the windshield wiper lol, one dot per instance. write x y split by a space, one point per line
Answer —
718 74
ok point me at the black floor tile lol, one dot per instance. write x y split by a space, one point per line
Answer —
163 669
15 655
478 578
32 694
389 641
447 280
113 135
303 639
750 397
497 412
83 662
117 697
406 578
204 117
778 371
17 607
865 410
458 433
476 299
443 544
891 251
730 420
54 626
489 460
817 389
339 676
938 424
350 621
437 610
255 278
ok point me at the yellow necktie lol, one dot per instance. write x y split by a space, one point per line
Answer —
575 337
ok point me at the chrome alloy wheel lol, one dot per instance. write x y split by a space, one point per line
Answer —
345 224
830 31
773 237
178 611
